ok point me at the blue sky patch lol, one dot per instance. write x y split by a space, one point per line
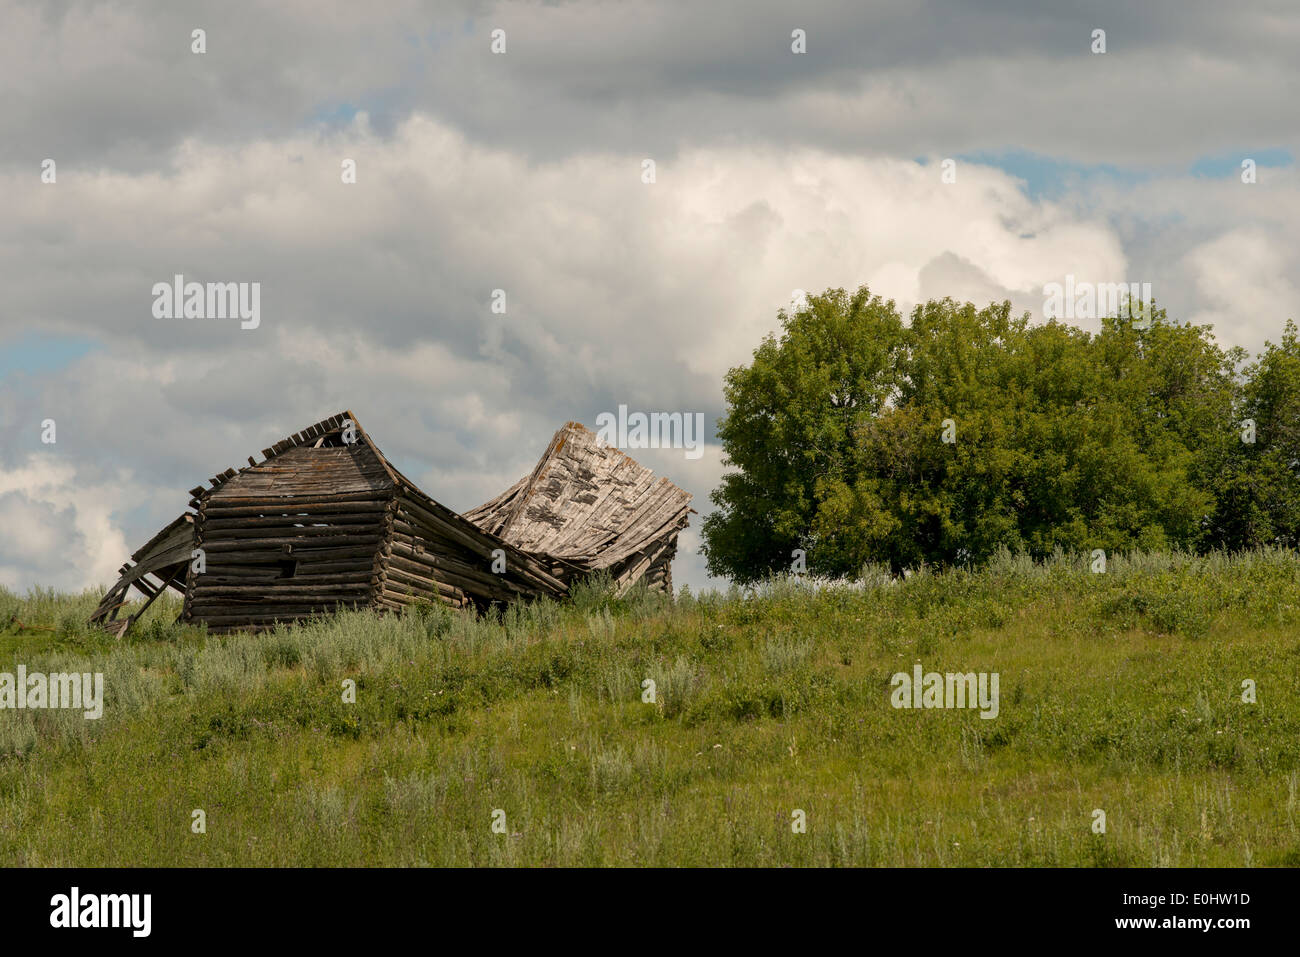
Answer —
37 353
1047 177
334 114
1229 164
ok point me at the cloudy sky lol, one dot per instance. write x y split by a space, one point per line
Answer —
523 171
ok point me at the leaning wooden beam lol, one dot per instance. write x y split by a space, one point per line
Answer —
161 556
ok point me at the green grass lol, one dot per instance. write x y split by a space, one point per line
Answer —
1119 691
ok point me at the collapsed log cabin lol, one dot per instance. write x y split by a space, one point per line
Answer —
326 521
590 507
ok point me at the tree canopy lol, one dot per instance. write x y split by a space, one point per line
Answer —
856 437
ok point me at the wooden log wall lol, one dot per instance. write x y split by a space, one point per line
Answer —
283 560
434 553
659 576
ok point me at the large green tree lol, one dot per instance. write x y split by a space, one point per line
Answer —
858 438
790 430
1257 485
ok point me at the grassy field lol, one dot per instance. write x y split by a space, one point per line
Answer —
1119 691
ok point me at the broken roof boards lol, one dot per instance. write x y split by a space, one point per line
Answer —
325 520
593 507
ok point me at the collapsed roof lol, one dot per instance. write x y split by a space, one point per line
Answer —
589 507
326 520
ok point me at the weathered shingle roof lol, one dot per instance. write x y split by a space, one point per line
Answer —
586 503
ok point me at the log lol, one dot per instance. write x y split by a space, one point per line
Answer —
209 580
280 498
253 522
369 541
286 530
221 509
303 553
281 592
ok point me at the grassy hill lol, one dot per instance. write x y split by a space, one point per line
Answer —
1119 691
